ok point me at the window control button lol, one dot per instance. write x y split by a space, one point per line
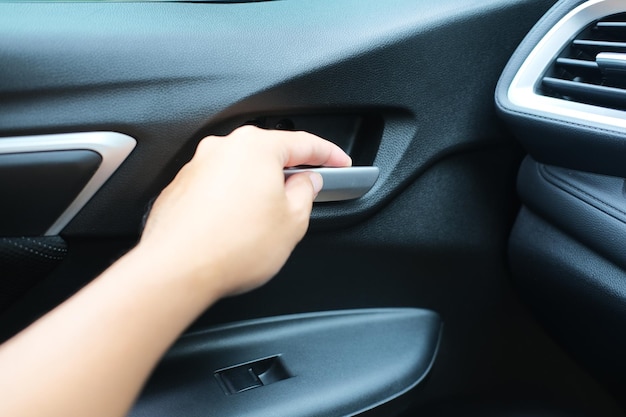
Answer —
244 377
239 379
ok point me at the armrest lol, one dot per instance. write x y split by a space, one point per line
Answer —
324 364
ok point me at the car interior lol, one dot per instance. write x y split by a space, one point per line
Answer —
472 261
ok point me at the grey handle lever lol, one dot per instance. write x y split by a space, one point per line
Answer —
341 183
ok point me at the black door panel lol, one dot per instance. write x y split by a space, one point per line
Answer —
167 74
567 246
332 363
406 86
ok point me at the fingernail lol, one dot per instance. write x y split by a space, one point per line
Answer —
317 181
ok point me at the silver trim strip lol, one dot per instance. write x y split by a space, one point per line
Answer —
522 91
113 147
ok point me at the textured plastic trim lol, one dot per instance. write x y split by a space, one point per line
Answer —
523 89
113 147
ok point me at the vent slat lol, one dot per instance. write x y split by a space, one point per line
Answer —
611 25
577 63
589 70
599 44
587 93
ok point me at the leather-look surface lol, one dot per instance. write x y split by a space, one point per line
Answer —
578 294
409 62
568 256
567 246
590 207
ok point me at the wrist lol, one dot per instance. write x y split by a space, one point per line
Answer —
186 280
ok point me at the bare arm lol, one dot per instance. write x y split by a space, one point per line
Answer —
225 225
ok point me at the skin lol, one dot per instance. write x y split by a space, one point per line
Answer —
215 231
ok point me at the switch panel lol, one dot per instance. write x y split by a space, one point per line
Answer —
244 377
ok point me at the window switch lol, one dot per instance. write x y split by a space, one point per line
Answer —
244 377
239 379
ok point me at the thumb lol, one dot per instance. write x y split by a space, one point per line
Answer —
301 189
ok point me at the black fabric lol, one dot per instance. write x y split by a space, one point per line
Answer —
24 261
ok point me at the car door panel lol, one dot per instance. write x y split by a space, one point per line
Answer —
406 86
314 368
567 244
199 69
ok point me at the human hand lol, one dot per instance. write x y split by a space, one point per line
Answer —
229 217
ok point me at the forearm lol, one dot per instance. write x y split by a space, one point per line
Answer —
95 351
209 234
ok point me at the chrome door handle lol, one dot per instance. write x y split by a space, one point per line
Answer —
341 183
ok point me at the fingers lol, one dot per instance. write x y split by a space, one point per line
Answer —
317 181
296 148
301 189
307 149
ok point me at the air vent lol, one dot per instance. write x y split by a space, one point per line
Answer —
591 69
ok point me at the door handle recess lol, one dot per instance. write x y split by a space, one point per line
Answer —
341 183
